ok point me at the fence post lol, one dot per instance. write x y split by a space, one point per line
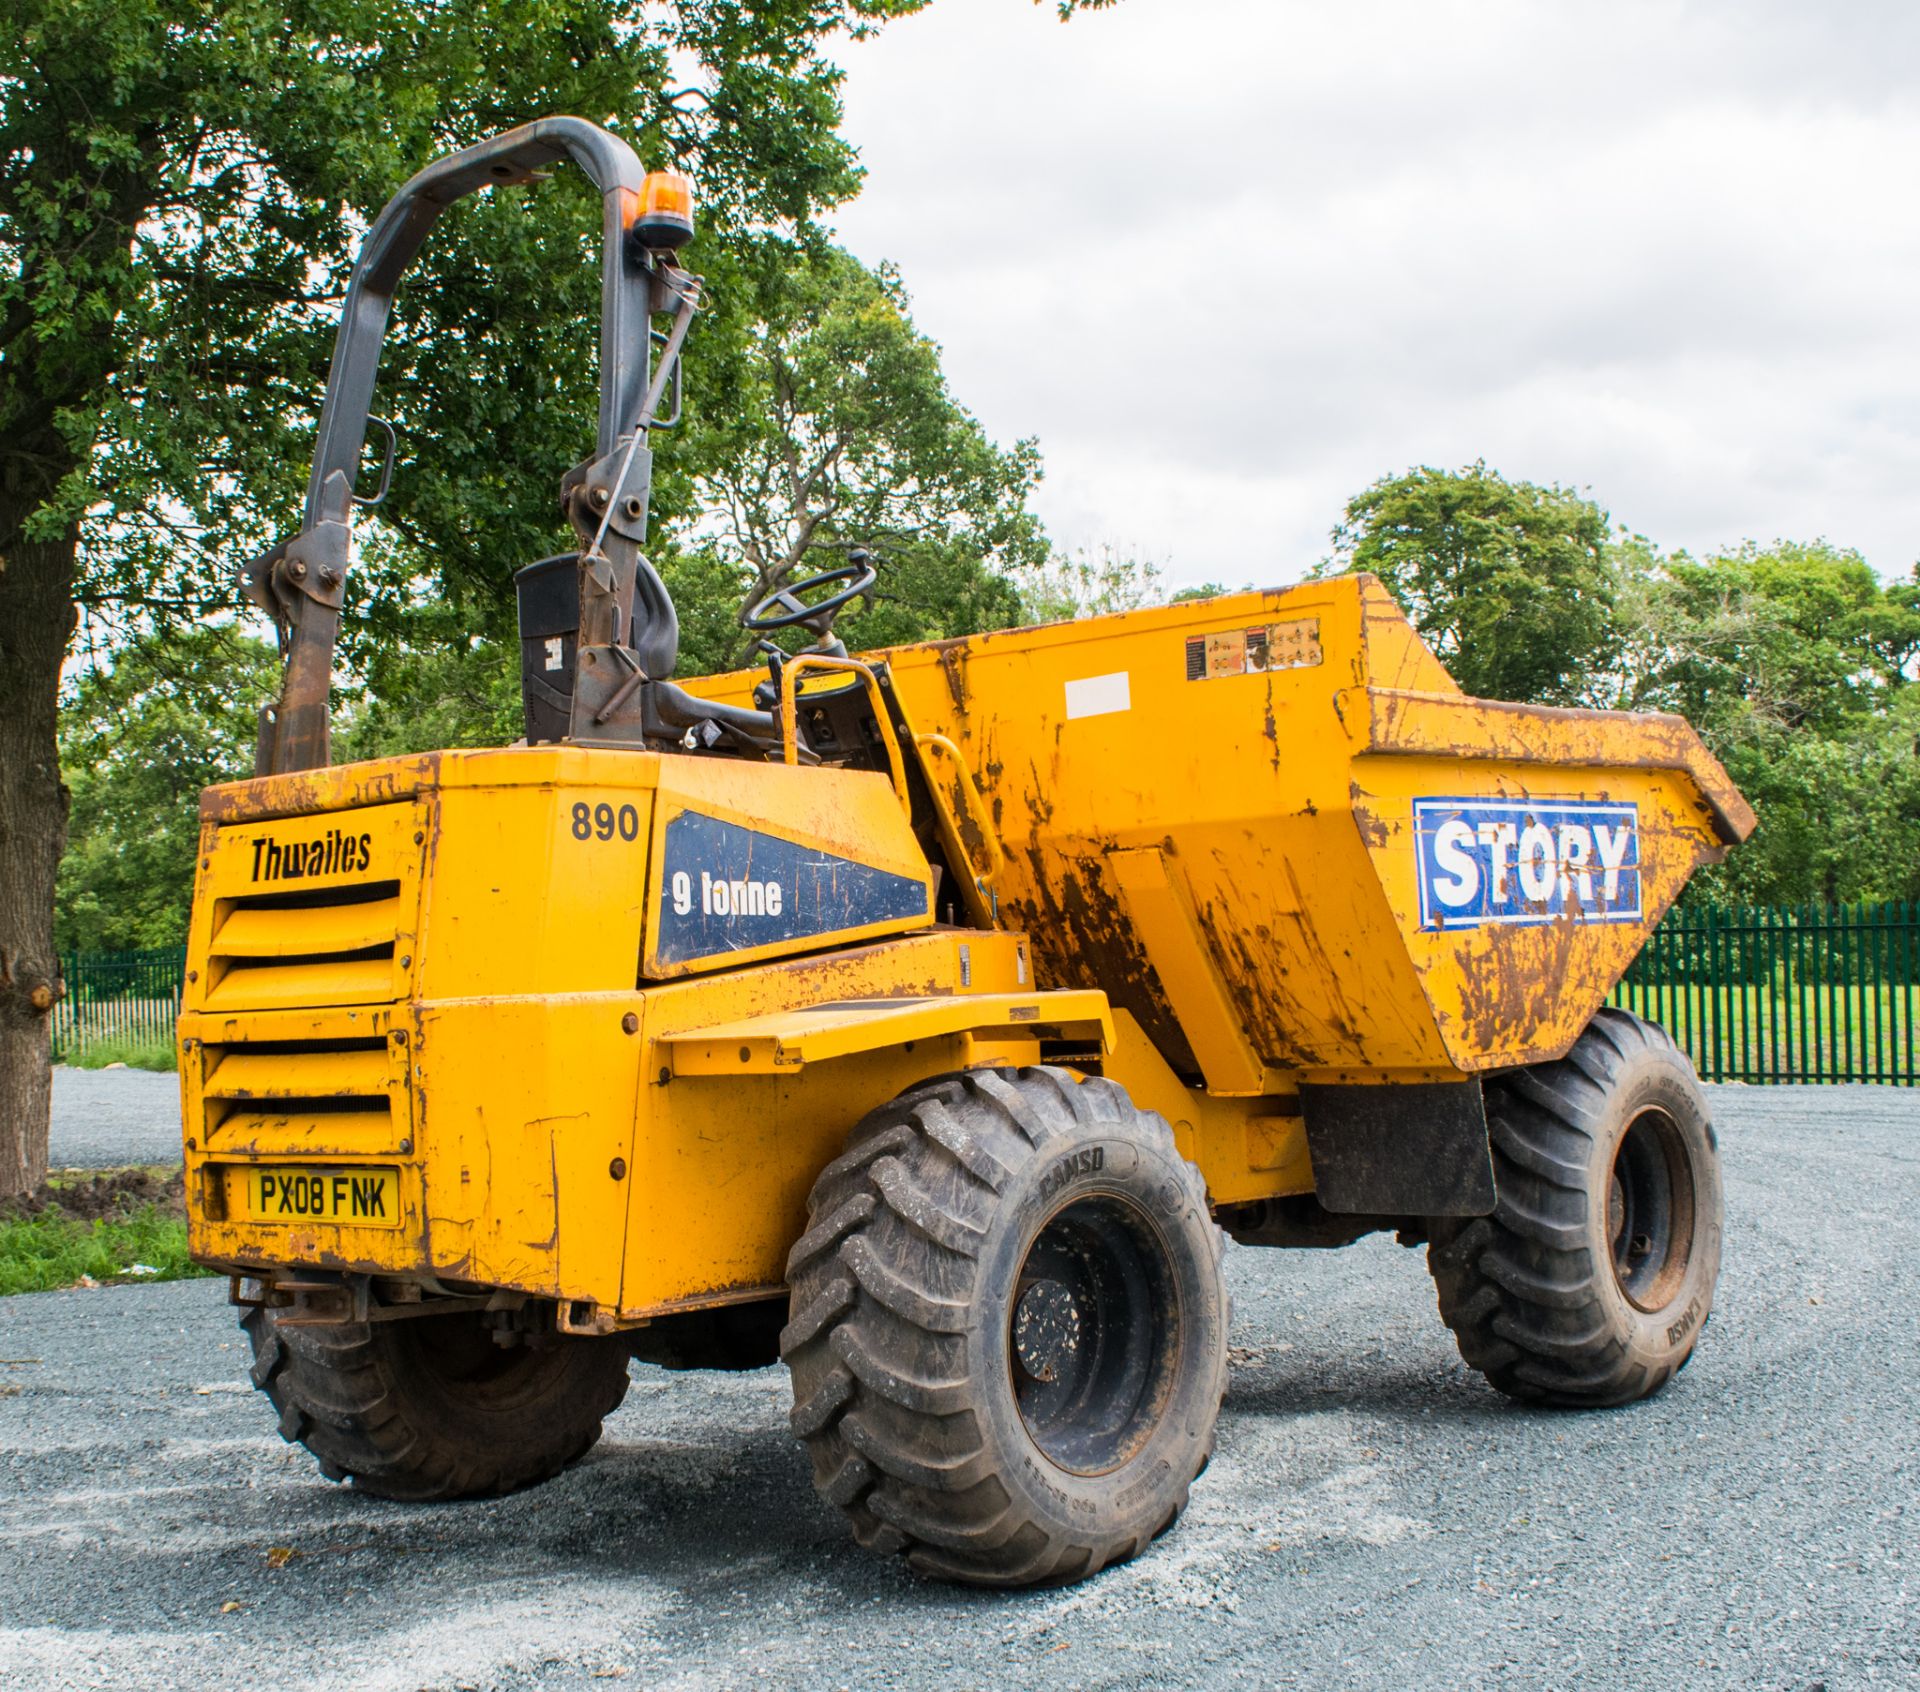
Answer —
1747 1024
1716 994
1840 966
1874 992
1905 986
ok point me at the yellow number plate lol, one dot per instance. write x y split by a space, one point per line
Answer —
352 1197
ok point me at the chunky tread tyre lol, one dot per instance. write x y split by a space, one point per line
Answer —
378 1407
898 1339
1531 1292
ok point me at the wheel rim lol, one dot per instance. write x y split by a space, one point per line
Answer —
1650 1208
1093 1334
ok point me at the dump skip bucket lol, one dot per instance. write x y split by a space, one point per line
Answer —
1277 834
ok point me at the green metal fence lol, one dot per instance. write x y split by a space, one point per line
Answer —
1818 993
130 996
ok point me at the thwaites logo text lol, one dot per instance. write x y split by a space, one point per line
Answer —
1526 861
294 860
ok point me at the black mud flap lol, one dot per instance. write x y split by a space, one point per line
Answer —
1415 1149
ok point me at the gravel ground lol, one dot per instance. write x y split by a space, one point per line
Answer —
1375 1515
106 1117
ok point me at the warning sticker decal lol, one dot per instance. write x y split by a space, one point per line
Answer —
1248 652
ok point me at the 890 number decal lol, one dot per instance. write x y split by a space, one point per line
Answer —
603 821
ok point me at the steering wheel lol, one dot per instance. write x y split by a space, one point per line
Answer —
787 607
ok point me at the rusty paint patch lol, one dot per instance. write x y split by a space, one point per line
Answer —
1279 1022
952 657
1453 726
1080 938
1270 727
325 789
1373 827
1510 991
966 824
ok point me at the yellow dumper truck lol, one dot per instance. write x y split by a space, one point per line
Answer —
919 1019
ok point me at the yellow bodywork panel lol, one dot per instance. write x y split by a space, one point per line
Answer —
261 936
1159 907
767 1045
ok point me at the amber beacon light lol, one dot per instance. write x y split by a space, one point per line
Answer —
665 217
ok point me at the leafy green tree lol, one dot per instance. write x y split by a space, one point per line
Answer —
139 737
1508 582
1838 809
835 428
1794 662
707 589
1891 632
460 691
182 183
1802 636
1094 581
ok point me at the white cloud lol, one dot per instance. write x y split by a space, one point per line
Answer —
1233 259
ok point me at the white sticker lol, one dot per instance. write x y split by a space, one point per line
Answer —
553 653
1097 696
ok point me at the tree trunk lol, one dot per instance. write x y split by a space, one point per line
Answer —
36 620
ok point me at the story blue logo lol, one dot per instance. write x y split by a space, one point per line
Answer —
1526 861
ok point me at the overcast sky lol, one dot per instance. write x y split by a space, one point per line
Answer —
1232 260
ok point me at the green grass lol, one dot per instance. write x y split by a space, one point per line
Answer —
132 1050
51 1250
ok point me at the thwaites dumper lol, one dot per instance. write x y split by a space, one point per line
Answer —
920 1020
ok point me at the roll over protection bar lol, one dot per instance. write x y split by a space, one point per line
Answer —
515 157
300 582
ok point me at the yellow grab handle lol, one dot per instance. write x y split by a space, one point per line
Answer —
983 818
789 714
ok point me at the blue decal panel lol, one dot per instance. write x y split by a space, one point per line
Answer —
1526 861
726 888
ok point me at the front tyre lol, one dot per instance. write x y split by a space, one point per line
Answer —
1591 1281
430 1407
1009 1328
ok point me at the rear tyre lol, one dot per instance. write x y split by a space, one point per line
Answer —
1008 1328
430 1407
1591 1281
